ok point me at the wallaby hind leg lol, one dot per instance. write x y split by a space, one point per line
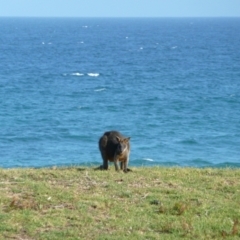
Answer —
105 162
102 148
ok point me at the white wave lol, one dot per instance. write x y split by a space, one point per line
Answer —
93 74
100 89
148 159
77 74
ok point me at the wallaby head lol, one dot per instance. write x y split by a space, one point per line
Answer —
122 145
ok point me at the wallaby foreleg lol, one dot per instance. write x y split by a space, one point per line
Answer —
124 165
116 163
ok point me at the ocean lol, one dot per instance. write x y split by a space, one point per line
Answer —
171 84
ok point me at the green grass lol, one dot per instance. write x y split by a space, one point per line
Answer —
148 203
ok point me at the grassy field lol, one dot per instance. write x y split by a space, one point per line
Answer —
147 203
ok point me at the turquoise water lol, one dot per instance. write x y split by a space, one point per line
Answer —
172 85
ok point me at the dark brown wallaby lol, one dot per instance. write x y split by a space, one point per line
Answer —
114 147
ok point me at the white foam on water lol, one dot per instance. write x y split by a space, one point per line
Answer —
93 74
77 74
148 159
100 89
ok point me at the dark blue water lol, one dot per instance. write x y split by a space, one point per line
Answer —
172 85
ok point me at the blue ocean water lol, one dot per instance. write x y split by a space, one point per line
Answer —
171 84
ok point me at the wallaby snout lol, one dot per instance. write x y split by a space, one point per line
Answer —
114 147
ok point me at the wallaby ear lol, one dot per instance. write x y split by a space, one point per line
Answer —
127 139
118 138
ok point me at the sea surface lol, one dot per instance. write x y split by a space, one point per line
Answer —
171 84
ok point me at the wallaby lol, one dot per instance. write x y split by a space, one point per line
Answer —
114 147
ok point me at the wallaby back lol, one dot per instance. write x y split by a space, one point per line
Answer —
114 147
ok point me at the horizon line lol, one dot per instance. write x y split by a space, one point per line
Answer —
119 17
